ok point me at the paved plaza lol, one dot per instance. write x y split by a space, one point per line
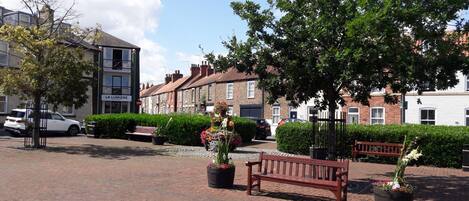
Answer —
81 168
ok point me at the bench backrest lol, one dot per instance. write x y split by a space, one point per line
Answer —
378 147
301 166
145 129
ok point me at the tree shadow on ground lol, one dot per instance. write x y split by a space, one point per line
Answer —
438 188
114 153
252 143
281 195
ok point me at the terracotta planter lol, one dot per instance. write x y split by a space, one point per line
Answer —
158 140
382 195
220 178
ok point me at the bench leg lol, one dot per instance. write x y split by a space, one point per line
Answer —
345 193
249 186
259 184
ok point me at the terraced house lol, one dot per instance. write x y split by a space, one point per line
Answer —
199 92
116 87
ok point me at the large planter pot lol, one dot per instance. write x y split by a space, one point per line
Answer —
220 178
382 195
318 153
158 140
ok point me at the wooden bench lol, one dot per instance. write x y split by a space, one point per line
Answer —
141 131
329 175
376 148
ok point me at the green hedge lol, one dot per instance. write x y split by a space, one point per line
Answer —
441 145
184 129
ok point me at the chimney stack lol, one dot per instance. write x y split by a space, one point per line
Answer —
176 75
204 69
195 70
167 79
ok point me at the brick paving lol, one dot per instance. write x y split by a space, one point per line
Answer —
80 168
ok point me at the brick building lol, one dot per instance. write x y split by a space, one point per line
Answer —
378 112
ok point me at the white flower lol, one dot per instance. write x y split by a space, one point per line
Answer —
396 186
413 155
224 123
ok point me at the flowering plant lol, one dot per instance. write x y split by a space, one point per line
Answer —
398 182
220 138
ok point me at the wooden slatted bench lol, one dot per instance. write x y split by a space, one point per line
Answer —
329 175
141 131
376 148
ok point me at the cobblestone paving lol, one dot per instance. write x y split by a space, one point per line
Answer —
80 168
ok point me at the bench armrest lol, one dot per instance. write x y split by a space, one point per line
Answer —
340 174
249 163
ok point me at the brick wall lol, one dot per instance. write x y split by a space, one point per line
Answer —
239 95
392 112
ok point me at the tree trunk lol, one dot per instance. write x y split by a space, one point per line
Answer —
36 121
332 132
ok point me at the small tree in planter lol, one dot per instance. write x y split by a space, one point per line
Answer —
219 139
398 188
159 136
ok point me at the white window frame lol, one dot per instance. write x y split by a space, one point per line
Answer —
5 104
274 114
229 86
353 113
251 89
467 83
209 93
465 116
371 116
6 53
427 120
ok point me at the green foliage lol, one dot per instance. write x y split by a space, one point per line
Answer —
184 129
441 145
294 137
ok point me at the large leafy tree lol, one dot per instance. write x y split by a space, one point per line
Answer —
304 49
55 67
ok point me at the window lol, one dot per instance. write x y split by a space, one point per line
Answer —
251 89
199 94
3 104
230 111
377 90
116 58
275 114
24 19
56 117
193 95
229 91
312 113
116 85
467 117
209 94
3 53
116 107
68 110
427 116
377 115
353 115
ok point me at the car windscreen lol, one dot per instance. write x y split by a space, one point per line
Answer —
17 114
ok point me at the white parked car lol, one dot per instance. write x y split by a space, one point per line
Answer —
16 122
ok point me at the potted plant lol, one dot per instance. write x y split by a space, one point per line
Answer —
219 139
398 188
159 135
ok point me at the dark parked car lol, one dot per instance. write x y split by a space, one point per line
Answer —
262 128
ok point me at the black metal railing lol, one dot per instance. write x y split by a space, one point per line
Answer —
117 64
321 132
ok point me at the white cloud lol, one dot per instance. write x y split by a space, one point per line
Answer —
130 20
190 58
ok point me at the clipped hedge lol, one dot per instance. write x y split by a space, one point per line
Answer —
184 129
441 145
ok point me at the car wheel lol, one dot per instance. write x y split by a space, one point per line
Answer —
73 130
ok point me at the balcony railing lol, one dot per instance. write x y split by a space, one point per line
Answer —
114 90
117 65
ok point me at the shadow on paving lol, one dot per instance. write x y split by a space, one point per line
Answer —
281 195
115 153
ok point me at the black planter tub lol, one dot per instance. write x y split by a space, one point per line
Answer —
220 178
158 140
382 195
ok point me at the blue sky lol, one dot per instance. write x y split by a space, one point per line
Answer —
168 32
